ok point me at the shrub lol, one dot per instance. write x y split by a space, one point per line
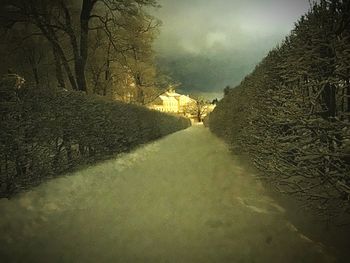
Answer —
292 114
44 134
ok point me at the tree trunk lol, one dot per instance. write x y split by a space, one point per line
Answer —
199 112
80 75
34 66
140 96
66 66
79 67
51 36
80 63
36 76
59 73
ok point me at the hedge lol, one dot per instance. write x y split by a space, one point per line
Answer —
45 134
291 115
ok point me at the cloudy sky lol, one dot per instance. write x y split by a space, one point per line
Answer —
208 44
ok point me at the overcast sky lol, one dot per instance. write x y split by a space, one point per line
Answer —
208 44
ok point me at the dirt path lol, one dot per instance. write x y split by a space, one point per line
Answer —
181 199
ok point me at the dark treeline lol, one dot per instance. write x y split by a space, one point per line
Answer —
99 47
44 134
292 114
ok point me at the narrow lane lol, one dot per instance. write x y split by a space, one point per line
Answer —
181 199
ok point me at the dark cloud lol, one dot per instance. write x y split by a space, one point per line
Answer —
207 44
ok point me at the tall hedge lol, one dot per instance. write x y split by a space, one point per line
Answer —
291 115
44 134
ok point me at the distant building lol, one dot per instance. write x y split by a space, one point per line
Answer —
172 102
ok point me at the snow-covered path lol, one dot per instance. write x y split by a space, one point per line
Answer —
181 199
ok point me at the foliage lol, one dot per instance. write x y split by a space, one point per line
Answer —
44 134
82 42
198 108
292 114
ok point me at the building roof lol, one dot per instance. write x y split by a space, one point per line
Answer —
172 93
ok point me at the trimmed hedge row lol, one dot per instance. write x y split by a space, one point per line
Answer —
291 115
46 134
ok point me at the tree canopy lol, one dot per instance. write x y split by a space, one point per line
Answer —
94 46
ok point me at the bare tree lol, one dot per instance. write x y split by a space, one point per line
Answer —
198 108
66 26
